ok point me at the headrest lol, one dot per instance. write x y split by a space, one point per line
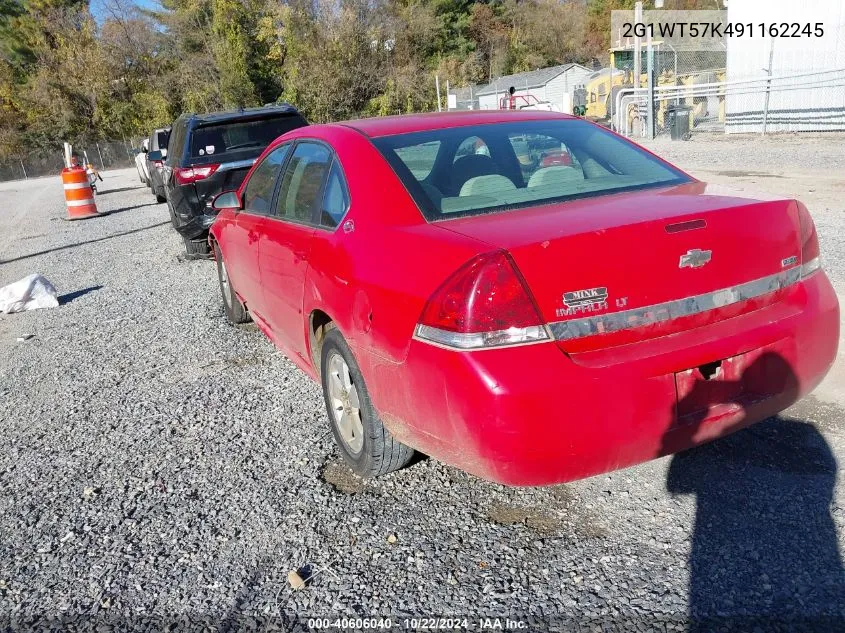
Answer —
487 185
555 175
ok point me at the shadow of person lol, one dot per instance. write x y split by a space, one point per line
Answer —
764 553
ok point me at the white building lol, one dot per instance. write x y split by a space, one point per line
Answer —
553 85
813 99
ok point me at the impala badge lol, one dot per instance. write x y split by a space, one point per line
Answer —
588 300
695 258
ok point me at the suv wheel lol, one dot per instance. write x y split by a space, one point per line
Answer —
365 444
235 311
197 249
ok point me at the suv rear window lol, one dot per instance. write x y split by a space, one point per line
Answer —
232 136
486 168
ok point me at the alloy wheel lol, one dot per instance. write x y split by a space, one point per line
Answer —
345 404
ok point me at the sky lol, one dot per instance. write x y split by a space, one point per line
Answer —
100 14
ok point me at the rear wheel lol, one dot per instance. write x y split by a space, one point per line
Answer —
365 444
235 310
197 249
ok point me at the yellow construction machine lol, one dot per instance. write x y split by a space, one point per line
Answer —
602 87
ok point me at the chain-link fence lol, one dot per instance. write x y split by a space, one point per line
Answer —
798 102
699 91
102 154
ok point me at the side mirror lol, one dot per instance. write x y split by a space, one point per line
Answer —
226 200
154 155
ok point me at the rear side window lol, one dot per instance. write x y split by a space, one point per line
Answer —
176 142
232 136
503 166
302 182
258 195
335 199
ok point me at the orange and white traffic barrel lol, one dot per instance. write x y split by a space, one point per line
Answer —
79 196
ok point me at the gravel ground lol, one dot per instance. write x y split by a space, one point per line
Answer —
159 467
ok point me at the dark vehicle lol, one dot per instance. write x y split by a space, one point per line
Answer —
210 153
157 143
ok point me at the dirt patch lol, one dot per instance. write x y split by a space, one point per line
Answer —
534 518
562 494
747 174
557 512
342 479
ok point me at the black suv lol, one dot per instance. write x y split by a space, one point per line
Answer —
210 153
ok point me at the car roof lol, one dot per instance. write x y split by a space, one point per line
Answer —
233 115
405 123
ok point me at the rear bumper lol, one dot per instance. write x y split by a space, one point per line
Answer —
533 415
193 215
196 227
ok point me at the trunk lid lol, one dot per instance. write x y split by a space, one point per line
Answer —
641 254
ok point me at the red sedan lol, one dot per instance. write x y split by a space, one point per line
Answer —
530 323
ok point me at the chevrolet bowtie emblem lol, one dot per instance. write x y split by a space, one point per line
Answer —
695 258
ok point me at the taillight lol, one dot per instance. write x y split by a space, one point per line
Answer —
484 304
810 261
187 175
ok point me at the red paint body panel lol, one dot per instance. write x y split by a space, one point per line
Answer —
620 242
546 412
531 415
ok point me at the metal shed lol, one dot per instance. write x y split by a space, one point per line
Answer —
554 85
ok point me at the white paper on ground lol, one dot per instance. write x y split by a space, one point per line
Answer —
30 293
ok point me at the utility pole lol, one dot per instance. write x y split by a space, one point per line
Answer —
650 83
437 85
768 86
638 64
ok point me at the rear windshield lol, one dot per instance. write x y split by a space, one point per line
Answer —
478 169
232 136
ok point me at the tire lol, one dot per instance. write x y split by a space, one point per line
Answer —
197 249
235 311
368 447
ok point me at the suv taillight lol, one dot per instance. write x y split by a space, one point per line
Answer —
187 175
810 261
484 304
